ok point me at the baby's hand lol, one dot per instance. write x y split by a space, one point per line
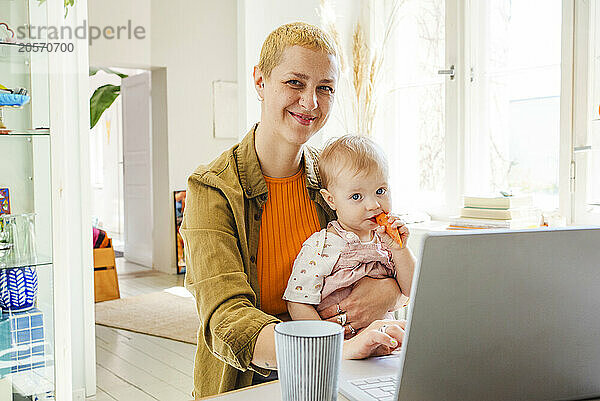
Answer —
395 223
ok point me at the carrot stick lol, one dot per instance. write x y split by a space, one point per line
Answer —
382 220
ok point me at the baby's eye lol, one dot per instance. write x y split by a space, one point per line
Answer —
381 191
356 197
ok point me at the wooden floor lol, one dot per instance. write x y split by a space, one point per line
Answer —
138 367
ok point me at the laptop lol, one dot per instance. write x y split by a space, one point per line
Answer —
497 315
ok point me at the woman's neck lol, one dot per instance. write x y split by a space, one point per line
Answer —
277 157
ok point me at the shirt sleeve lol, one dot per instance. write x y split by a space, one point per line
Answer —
226 304
313 263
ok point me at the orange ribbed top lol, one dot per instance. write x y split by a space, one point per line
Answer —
289 217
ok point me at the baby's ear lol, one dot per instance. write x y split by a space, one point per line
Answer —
328 198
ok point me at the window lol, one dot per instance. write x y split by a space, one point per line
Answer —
514 119
496 125
412 122
520 112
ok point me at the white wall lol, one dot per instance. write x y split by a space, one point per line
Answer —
195 43
123 52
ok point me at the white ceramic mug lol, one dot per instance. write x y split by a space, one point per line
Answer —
309 356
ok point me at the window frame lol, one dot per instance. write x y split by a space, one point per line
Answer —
585 30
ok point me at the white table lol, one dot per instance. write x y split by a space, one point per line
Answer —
351 370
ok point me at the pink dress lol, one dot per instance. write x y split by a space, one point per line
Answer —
357 260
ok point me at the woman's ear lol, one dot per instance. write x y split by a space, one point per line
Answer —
259 83
328 198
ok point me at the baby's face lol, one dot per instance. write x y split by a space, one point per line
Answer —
358 199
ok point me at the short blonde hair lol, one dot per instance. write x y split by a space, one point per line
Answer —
293 34
355 153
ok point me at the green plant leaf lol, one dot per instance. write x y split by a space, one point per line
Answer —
101 100
94 70
66 2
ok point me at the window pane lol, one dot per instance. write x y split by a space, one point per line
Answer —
594 166
412 124
515 131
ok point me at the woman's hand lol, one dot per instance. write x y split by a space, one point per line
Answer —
369 300
372 341
398 224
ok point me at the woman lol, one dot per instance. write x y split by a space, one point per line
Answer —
249 212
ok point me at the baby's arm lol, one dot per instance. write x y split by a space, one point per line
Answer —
404 261
300 311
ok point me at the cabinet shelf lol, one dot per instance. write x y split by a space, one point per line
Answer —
31 132
3 43
14 53
41 261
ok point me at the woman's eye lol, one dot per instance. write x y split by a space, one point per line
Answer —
355 197
294 82
381 191
327 89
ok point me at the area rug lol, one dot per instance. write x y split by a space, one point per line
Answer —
169 314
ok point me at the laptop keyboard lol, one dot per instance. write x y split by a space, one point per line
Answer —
382 388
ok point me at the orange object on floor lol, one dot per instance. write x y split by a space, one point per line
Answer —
106 283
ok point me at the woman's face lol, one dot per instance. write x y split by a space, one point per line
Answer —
299 94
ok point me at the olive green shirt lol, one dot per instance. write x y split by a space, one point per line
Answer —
220 230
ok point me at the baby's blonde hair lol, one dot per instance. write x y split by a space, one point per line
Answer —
293 34
354 153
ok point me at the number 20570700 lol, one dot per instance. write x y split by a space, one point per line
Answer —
46 46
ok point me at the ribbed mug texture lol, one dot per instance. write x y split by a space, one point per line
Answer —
309 360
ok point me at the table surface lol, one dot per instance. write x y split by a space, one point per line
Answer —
388 365
351 369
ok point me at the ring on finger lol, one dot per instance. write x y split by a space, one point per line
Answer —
383 328
352 329
339 310
342 319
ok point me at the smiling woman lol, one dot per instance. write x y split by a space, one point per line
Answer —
250 210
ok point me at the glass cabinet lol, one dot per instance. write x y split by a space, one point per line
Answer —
26 269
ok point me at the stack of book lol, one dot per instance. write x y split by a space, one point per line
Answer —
485 212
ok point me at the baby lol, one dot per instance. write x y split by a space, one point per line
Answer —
354 173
